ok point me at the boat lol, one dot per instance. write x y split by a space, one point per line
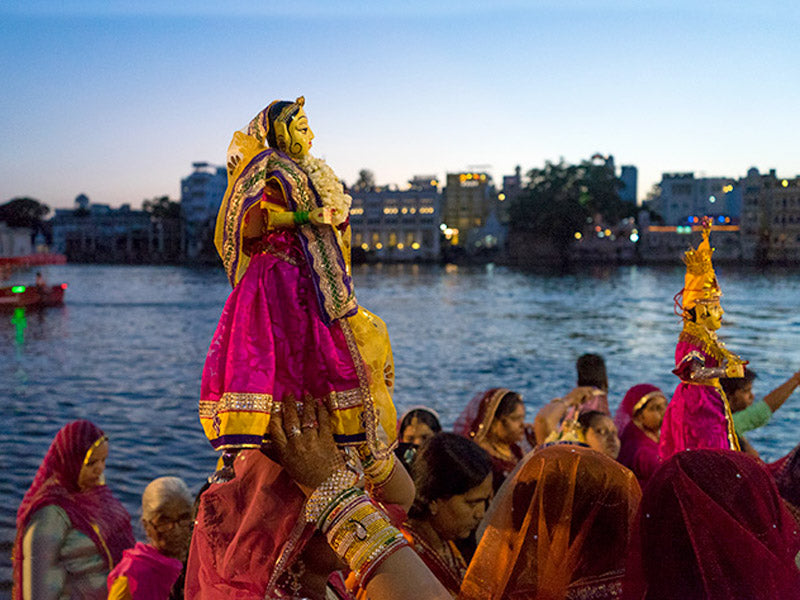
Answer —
32 296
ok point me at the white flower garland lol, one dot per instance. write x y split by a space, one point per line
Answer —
326 183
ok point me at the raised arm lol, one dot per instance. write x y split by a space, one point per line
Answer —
780 394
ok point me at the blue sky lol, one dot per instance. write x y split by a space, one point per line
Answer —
117 99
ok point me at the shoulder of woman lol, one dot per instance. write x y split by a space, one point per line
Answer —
51 517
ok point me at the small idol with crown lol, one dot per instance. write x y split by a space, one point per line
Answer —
699 415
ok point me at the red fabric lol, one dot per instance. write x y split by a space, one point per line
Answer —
241 529
150 574
786 472
638 452
476 418
712 525
56 483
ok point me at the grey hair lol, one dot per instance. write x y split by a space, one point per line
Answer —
160 491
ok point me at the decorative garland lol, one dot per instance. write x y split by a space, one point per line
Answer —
326 183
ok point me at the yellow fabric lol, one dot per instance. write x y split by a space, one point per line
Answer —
120 590
372 338
241 151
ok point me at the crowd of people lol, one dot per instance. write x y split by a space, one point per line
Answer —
322 493
495 511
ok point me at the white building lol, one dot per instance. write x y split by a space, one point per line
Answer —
201 195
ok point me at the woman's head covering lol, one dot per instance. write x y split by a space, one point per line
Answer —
559 523
248 531
428 416
712 525
476 418
635 399
56 483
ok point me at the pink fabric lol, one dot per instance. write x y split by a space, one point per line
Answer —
695 417
271 339
624 412
56 483
150 574
241 529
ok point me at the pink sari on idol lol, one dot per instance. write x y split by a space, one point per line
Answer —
291 325
698 416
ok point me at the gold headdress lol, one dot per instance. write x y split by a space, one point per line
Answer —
700 285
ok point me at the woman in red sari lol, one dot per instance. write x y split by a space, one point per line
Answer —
494 420
557 529
712 525
453 479
71 530
638 420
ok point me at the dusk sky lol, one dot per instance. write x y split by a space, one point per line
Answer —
116 99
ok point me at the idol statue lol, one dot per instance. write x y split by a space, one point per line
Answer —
699 415
291 327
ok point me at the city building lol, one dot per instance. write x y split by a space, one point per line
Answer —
770 217
99 233
684 197
401 225
469 198
15 241
629 175
201 195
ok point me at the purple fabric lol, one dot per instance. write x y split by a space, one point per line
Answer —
638 452
150 574
695 417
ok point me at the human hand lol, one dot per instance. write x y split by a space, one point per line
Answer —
579 395
305 448
321 216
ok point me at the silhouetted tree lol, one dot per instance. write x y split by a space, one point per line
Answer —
162 208
561 197
366 181
24 212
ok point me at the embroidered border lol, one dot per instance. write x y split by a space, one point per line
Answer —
233 401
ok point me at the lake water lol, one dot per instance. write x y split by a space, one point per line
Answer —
127 350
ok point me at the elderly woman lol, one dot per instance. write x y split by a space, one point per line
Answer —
712 525
638 420
453 478
558 529
150 571
71 530
494 420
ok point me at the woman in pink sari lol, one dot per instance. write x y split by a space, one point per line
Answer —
712 525
638 420
71 530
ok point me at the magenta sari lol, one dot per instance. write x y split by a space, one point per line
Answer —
696 416
637 451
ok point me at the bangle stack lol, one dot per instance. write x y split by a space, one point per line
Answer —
301 217
378 470
359 533
328 492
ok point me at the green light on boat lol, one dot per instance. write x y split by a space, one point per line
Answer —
18 289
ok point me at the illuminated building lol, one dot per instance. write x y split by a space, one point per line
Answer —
684 196
469 198
397 225
770 217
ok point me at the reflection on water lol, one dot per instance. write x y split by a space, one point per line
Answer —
127 350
